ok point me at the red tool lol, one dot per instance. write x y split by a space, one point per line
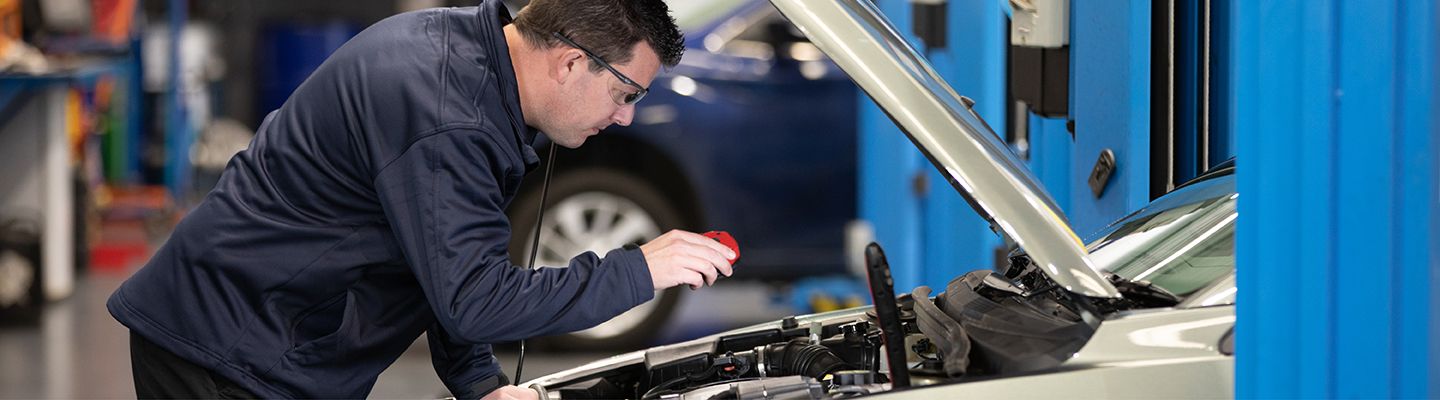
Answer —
729 241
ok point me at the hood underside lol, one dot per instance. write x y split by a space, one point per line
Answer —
944 128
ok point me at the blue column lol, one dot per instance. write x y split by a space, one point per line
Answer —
1416 144
1050 150
888 164
1335 132
932 236
973 62
178 135
1110 103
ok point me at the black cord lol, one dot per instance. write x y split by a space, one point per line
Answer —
663 387
535 244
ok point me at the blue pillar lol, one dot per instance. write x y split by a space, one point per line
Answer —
1050 152
1110 103
1335 129
931 236
178 135
888 164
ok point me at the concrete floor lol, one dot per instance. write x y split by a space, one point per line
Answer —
79 351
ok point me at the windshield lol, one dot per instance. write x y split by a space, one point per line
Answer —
1182 242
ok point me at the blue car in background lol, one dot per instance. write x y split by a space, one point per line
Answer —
753 133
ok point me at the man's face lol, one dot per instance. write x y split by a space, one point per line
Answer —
591 102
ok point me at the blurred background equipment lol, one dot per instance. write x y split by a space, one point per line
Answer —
21 293
289 51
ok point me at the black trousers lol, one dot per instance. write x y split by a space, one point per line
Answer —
160 374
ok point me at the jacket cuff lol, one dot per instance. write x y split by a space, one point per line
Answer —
632 260
483 387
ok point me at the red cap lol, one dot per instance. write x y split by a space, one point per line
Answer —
724 238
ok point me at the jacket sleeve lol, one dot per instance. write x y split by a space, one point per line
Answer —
444 201
468 370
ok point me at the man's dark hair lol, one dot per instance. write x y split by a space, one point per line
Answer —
609 28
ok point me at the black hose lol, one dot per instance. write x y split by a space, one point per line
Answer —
800 358
535 244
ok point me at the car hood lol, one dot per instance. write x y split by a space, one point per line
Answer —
946 129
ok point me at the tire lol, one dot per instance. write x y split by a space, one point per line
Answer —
576 198
21 294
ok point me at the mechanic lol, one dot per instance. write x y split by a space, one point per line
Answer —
370 208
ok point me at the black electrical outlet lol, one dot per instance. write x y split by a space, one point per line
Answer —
1100 174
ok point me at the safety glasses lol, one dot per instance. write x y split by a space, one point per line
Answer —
620 97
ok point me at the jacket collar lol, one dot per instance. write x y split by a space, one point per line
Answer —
493 17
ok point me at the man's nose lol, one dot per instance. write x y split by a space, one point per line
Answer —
624 115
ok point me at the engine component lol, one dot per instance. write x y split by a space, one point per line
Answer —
729 366
854 383
854 346
992 315
947 332
882 290
797 358
853 378
789 387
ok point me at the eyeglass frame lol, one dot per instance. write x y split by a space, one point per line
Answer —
623 79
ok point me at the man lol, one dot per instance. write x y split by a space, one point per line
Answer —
370 209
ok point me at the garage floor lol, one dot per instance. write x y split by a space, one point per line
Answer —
79 351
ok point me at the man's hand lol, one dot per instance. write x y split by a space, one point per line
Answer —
512 392
680 257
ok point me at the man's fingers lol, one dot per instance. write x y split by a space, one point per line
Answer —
726 268
703 267
714 259
694 279
511 392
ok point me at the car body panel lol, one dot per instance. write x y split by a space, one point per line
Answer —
1204 378
975 161
1143 336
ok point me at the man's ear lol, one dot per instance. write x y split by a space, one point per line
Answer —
567 64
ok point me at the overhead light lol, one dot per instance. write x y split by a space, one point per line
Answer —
683 86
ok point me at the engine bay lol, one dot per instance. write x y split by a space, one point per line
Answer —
795 360
984 325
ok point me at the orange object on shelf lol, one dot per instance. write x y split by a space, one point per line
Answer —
113 19
10 18
9 24
131 219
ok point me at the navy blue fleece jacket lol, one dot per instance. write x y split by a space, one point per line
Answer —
369 209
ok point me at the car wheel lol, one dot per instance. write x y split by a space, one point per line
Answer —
598 210
21 295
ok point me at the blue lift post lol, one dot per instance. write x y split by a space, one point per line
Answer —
1335 120
178 135
933 236
929 233
1110 103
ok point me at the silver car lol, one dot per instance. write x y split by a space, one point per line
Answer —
1146 310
